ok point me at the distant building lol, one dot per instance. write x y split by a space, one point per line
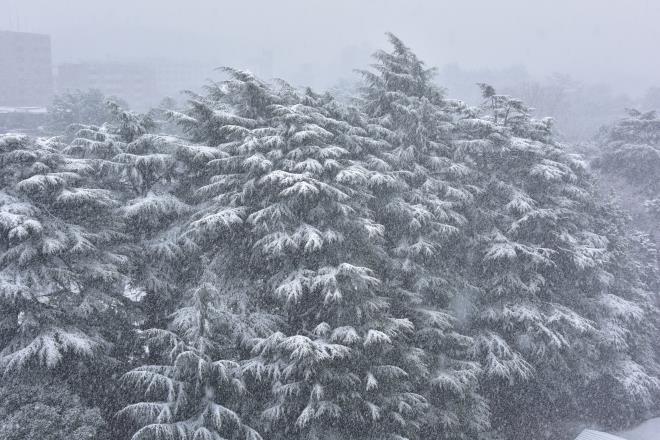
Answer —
26 72
588 434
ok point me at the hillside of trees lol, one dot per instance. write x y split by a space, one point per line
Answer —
271 263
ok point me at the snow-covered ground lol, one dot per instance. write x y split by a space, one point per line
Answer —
649 430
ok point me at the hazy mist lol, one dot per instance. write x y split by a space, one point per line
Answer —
594 41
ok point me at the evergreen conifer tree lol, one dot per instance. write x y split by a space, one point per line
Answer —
61 258
424 215
287 212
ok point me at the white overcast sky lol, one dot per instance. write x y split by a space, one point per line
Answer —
610 41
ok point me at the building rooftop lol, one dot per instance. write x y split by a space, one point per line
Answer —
588 434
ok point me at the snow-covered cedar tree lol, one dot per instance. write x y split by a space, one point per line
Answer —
629 163
162 119
286 215
544 271
154 214
78 107
143 168
46 411
60 263
423 210
628 321
128 125
178 399
190 388
631 149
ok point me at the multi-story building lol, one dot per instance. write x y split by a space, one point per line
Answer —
26 76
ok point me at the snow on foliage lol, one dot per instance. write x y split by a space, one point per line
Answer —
404 267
